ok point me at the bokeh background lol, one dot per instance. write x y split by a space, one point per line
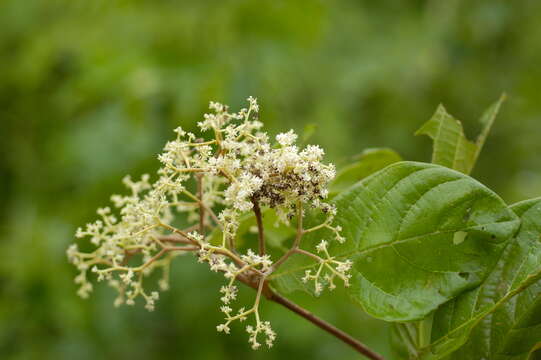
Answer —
90 90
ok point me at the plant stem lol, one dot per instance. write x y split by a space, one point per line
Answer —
199 201
322 324
261 235
309 254
339 334
297 240
261 286
201 206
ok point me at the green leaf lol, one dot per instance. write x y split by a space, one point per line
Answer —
451 147
403 341
501 319
407 338
370 161
399 226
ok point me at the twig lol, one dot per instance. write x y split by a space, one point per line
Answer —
205 207
309 254
257 281
174 238
296 242
322 324
260 234
201 206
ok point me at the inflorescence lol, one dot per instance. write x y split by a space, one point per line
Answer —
236 172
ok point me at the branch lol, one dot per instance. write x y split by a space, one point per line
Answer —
322 324
201 206
261 235
296 242
256 282
199 201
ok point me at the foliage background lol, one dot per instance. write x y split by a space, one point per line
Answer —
90 90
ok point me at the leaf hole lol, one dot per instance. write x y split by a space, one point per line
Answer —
459 237
464 275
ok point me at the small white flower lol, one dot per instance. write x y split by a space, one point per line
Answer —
253 104
126 277
179 131
223 328
322 246
286 139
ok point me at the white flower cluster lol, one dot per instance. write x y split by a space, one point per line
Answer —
328 269
261 327
237 171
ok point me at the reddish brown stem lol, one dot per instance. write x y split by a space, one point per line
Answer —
322 324
339 334
201 206
253 282
260 234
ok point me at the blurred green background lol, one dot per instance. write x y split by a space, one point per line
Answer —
90 90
